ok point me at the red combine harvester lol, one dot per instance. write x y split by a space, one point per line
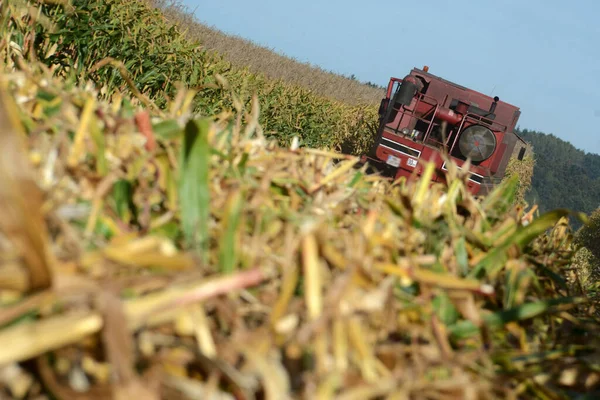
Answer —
423 116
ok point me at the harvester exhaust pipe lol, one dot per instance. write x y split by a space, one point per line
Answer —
408 88
494 104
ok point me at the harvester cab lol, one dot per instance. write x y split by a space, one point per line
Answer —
424 116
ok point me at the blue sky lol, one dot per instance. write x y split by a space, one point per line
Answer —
543 56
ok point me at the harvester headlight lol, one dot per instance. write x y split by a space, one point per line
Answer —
405 131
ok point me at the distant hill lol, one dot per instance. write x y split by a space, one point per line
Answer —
563 175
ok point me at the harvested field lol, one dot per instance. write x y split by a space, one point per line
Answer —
151 249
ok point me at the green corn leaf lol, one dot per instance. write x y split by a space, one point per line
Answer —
517 280
123 197
228 248
495 259
45 95
526 234
357 177
558 280
169 230
167 129
98 138
465 329
194 196
462 257
444 308
502 196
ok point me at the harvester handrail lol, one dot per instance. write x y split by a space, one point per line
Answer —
411 114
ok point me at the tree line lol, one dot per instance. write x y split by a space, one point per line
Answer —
563 176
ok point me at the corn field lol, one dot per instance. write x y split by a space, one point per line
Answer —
165 236
132 49
259 59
